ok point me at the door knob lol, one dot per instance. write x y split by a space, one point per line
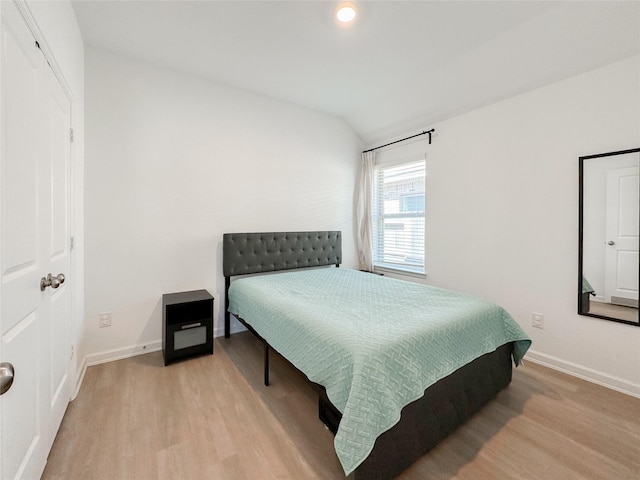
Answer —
57 280
6 376
611 242
51 281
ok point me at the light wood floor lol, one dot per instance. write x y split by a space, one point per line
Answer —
211 418
615 311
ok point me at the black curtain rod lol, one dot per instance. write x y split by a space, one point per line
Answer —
402 140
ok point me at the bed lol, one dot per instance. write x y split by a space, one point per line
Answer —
398 365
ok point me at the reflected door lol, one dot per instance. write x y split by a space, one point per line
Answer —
621 249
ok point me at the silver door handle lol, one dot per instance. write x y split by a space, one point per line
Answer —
6 376
611 242
51 281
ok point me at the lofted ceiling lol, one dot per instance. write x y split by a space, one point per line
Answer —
401 66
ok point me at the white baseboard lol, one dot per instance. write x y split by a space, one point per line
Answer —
80 377
120 353
133 350
584 373
235 328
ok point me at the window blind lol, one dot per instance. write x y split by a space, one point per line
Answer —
399 217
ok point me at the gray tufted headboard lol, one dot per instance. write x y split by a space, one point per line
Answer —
245 253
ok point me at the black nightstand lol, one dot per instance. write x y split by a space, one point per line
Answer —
187 325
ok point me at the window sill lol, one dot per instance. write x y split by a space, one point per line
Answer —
397 271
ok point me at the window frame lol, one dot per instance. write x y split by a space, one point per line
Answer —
377 218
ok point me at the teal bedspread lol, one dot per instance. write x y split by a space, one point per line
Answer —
373 342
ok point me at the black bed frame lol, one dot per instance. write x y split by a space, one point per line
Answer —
425 422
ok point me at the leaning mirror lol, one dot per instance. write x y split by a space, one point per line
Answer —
609 266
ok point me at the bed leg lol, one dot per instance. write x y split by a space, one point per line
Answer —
266 364
227 315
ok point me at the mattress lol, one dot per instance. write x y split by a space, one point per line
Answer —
374 343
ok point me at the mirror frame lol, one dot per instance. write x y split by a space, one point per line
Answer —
580 235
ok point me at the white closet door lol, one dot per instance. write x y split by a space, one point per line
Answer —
34 237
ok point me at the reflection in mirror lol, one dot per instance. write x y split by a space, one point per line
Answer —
609 268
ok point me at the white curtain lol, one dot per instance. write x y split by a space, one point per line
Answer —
364 210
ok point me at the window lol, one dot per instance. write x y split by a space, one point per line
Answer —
398 217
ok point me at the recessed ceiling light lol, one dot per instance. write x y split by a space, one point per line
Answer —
346 13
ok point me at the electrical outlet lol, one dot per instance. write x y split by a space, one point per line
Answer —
537 320
105 319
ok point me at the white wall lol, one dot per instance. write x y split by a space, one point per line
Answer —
502 212
173 162
58 25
